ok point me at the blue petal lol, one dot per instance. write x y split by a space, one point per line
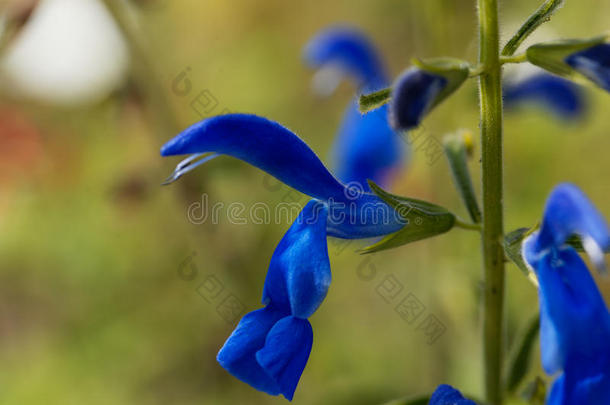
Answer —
238 355
271 147
571 389
285 353
447 395
299 273
362 215
594 63
367 148
562 97
569 212
557 395
574 319
591 390
351 51
413 95
262 143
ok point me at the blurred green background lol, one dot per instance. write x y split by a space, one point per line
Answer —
103 276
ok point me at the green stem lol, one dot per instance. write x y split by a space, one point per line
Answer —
466 225
514 59
491 144
476 71
143 69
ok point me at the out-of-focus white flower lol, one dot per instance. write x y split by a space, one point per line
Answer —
70 52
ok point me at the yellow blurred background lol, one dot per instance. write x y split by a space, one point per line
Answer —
104 280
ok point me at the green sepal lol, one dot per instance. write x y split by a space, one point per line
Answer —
372 101
512 248
551 56
454 70
456 147
423 220
540 16
513 242
521 361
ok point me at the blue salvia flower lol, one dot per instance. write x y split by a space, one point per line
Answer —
560 96
593 63
574 319
447 395
366 147
413 95
270 346
348 52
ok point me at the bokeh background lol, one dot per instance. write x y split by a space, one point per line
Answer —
103 277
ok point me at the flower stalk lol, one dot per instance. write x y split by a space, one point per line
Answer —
490 84
514 59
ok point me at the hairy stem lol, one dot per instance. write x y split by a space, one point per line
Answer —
491 145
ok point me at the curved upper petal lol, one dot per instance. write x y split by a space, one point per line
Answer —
286 352
561 96
366 148
278 151
349 50
569 212
238 355
262 143
447 395
594 63
299 272
413 94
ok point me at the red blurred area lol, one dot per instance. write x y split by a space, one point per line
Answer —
21 146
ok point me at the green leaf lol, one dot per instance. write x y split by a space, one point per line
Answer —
456 149
521 362
372 101
423 220
535 392
454 70
551 56
512 249
540 16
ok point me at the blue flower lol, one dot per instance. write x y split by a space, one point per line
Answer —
574 319
349 51
366 147
413 95
562 97
353 214
270 346
593 63
447 395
